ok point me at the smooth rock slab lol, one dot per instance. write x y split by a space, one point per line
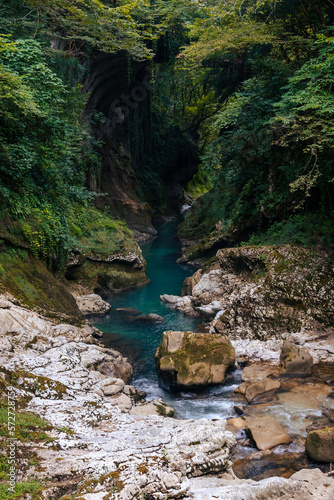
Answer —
295 360
261 388
254 373
266 432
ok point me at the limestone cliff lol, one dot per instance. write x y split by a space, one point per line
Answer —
266 294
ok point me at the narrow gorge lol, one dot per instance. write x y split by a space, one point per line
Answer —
166 250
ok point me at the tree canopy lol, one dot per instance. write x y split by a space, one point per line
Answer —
245 85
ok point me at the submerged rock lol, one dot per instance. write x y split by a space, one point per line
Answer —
261 388
263 464
131 311
151 318
187 360
320 445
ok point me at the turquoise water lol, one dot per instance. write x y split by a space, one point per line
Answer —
139 340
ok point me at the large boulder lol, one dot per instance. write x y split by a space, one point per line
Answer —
266 432
295 360
320 445
92 304
187 360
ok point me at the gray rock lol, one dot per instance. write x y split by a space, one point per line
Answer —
169 299
307 484
92 304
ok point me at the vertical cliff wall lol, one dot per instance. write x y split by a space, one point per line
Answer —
143 173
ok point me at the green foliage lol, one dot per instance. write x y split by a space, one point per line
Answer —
31 488
305 116
28 427
271 155
304 230
95 232
44 149
245 85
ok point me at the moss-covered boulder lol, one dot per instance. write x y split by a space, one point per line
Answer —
320 445
187 360
104 254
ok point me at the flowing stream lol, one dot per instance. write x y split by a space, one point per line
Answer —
296 406
139 340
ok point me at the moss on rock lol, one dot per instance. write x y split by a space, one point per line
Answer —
190 360
35 286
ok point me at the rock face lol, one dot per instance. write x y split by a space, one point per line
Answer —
92 304
187 360
295 360
190 283
320 445
64 353
266 294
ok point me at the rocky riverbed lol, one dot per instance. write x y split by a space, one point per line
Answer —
103 440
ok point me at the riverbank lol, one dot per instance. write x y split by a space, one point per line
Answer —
93 445
99 437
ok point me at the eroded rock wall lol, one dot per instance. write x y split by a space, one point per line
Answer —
267 294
